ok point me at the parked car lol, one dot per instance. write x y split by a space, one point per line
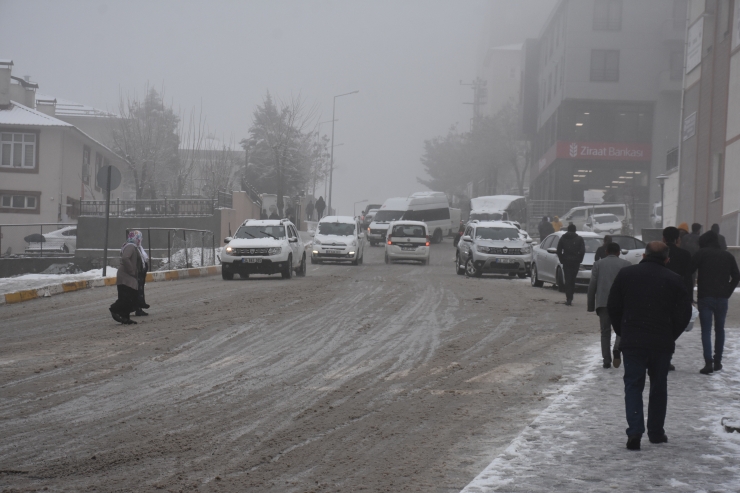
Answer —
632 248
579 215
408 240
603 223
338 239
60 241
493 247
546 266
268 246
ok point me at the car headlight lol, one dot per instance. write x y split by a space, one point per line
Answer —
274 250
526 249
316 241
354 243
482 249
229 249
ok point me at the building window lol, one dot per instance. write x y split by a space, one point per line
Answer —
604 65
607 15
671 161
677 65
98 166
12 201
86 165
18 151
718 161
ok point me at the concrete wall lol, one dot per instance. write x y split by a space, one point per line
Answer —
671 198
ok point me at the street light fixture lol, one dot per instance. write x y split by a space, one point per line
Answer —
333 119
354 211
661 179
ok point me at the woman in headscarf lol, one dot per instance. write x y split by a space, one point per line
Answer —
142 279
127 280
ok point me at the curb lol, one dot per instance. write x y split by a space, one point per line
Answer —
67 287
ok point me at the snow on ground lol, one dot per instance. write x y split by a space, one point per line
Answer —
35 281
578 442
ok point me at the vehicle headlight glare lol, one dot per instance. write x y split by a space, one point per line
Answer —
229 249
274 250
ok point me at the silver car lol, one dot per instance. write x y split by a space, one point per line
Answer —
493 247
546 266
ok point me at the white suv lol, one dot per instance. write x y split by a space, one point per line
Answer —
494 247
338 238
267 246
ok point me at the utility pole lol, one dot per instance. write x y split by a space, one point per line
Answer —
480 95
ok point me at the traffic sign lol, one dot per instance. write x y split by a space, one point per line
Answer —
102 177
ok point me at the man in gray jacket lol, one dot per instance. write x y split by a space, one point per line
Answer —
603 274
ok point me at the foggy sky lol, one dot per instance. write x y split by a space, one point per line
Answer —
406 58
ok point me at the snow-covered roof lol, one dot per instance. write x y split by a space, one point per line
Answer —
20 115
65 107
6 61
337 219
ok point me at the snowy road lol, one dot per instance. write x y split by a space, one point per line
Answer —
369 378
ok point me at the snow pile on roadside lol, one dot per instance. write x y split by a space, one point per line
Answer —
36 281
193 259
578 442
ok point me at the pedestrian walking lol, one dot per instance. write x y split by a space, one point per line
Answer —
649 308
263 214
320 205
556 224
601 251
690 242
545 228
603 274
718 276
722 240
679 260
571 250
274 215
141 298
127 280
309 210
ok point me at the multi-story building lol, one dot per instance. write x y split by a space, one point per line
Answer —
602 100
502 72
709 167
46 164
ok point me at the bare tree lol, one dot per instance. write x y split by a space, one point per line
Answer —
191 136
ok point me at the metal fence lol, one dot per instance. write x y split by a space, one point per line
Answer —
224 200
30 238
150 207
185 248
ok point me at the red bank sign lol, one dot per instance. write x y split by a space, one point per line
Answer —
609 151
599 151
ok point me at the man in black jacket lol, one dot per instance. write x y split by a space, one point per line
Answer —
717 280
649 308
544 228
679 259
571 250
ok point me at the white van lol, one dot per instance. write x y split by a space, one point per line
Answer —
431 208
579 215
499 208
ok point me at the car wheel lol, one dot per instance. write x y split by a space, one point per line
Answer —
227 275
301 272
387 260
560 280
471 270
288 271
356 261
314 261
534 279
437 236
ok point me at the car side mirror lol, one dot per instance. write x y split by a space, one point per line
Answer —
228 239
529 240
467 238
552 250
293 240
625 252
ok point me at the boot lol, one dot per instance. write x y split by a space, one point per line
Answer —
708 368
717 365
633 442
140 313
118 318
616 360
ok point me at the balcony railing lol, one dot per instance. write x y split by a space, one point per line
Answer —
150 207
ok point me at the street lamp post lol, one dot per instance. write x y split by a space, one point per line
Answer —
354 207
661 179
333 119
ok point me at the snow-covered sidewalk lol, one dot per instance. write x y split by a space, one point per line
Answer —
37 281
578 442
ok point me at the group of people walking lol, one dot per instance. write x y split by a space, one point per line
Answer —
130 280
549 226
649 306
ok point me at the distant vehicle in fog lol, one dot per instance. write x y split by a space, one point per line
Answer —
408 240
579 215
60 241
338 238
499 208
603 223
431 208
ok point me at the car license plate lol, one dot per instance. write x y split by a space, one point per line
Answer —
334 251
408 248
251 260
505 260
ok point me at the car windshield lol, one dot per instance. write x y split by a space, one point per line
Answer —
260 232
338 229
606 218
408 231
496 233
385 216
486 216
592 244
